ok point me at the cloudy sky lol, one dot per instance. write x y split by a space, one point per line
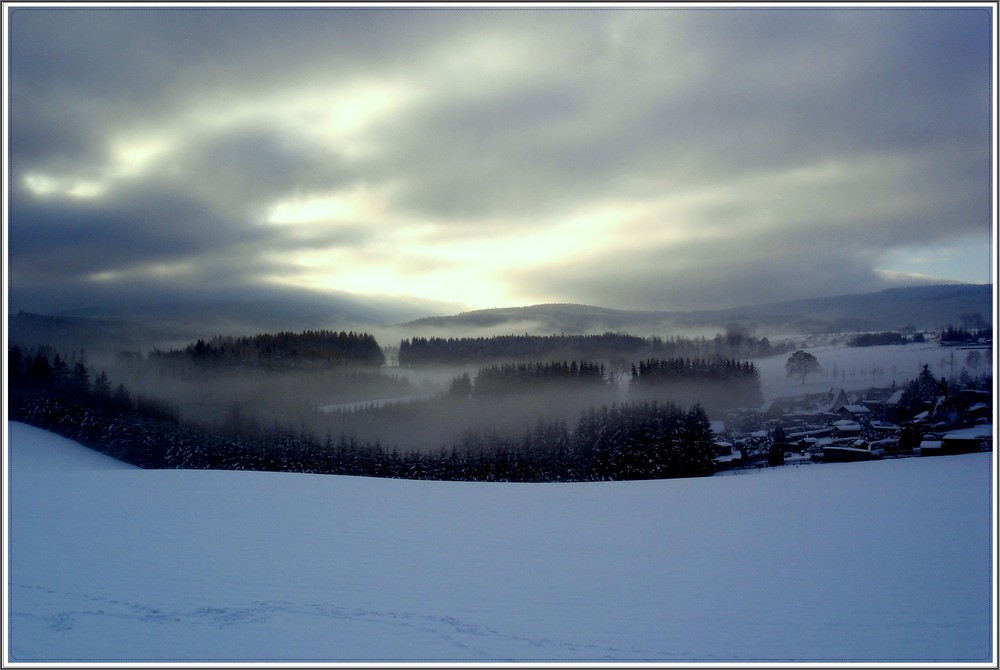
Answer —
644 159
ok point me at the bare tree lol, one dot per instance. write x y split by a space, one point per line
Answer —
801 364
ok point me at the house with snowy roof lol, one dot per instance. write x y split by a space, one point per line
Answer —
964 441
836 399
894 399
853 412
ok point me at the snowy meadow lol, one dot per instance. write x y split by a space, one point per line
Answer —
888 561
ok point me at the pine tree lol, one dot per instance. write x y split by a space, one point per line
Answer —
801 364
102 388
59 373
15 366
79 383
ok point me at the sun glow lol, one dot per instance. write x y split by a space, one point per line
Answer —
360 204
127 159
424 258
155 270
336 114
131 158
45 186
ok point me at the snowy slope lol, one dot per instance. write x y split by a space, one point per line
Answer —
857 368
883 561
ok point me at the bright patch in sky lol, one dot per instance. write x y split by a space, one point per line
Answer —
961 260
360 204
44 186
647 159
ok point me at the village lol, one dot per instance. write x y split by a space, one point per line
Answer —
925 417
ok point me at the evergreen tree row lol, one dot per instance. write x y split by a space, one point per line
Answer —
515 377
630 441
879 339
277 349
33 376
456 351
719 384
960 335
462 351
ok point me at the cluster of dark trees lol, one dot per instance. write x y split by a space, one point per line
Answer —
878 339
500 398
629 441
514 377
45 375
285 348
422 351
961 335
505 397
924 389
718 384
644 440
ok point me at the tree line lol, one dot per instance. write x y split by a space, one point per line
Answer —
960 335
719 384
883 338
45 377
513 377
419 351
627 441
282 349
423 351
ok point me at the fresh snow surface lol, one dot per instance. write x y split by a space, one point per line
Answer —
859 368
881 561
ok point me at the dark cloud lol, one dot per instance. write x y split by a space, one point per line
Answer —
768 90
247 167
770 152
56 237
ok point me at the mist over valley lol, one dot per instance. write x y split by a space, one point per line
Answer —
442 389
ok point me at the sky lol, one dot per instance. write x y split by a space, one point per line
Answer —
657 158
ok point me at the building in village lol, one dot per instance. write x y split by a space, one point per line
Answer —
860 425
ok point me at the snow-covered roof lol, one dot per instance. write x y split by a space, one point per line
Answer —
837 397
894 398
884 425
846 425
856 409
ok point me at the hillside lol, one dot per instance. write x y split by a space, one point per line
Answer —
119 564
167 324
174 325
923 307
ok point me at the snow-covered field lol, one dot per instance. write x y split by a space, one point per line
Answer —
882 561
858 368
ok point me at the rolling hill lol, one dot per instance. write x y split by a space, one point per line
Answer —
165 325
923 307
888 561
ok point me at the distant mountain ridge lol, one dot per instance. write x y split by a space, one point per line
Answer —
166 321
921 307
924 307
